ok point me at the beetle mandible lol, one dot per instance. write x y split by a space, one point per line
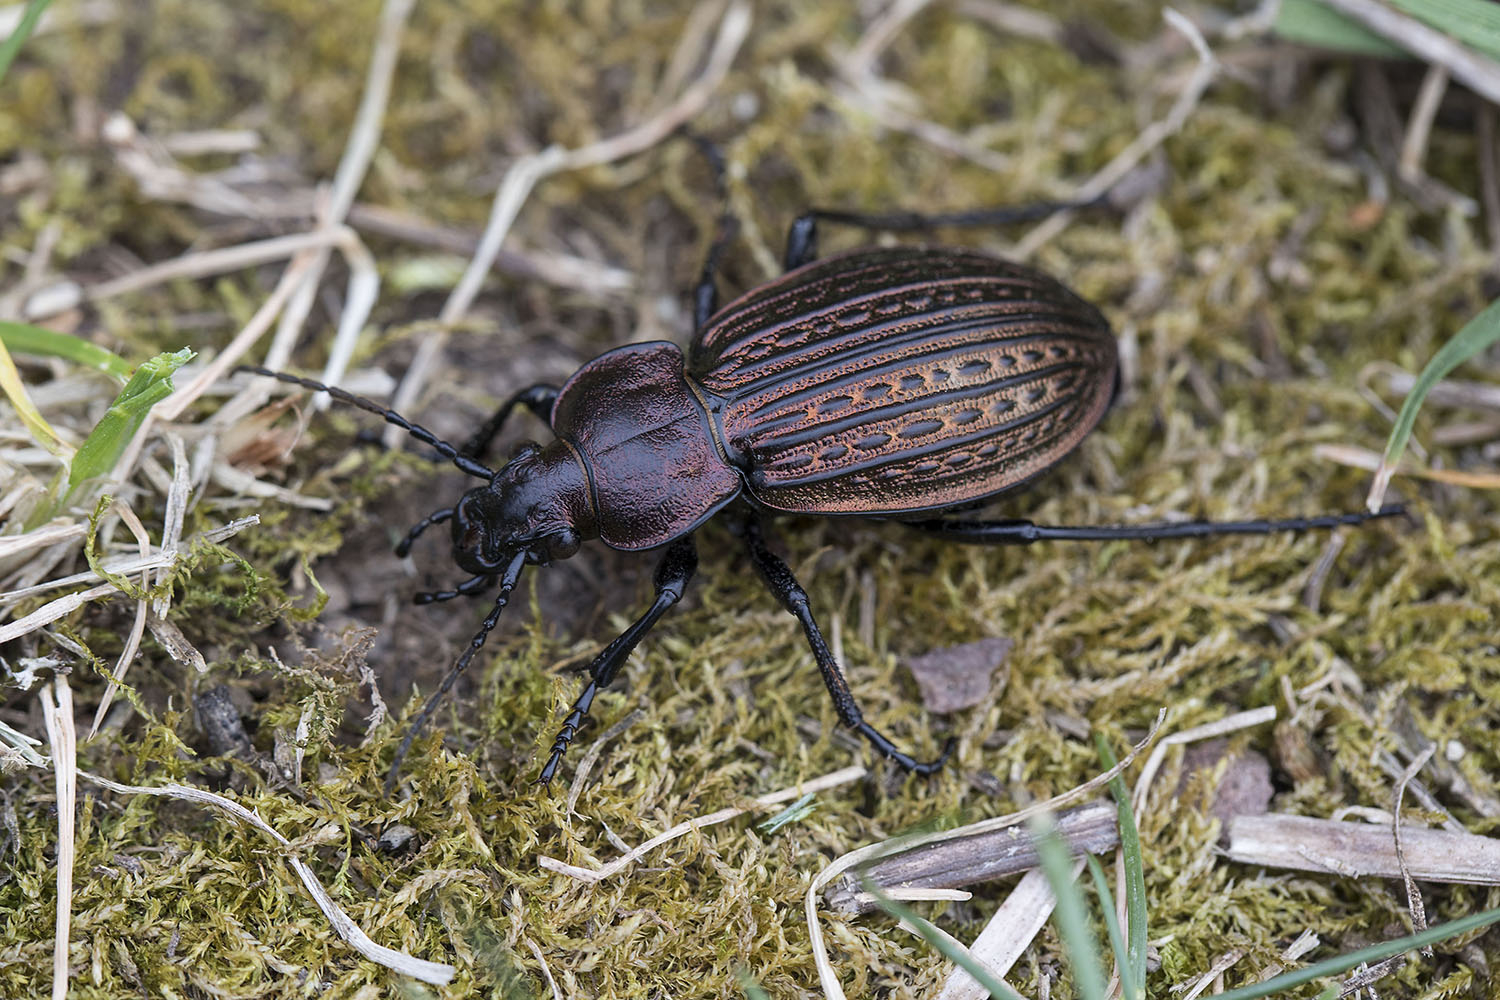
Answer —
900 383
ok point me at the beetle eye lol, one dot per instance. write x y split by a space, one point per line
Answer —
563 544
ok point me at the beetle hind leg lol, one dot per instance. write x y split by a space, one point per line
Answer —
672 575
1027 532
792 597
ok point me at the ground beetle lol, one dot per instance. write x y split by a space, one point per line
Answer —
895 383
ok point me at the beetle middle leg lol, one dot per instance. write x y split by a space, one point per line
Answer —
802 237
792 597
536 398
672 575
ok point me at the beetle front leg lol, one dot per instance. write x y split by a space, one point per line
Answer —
536 398
672 575
471 587
792 597
403 547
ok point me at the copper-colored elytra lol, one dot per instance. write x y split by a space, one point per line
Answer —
903 380
900 382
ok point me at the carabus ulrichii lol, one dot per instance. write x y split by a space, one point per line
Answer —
897 383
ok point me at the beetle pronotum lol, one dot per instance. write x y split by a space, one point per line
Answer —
900 383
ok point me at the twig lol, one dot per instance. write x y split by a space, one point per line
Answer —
1221 965
1351 849
1413 894
966 860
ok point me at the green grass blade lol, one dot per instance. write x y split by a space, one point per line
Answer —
793 813
1071 915
1476 335
1135 875
1375 953
151 383
10 46
934 937
1309 22
21 338
1475 23
31 417
1112 926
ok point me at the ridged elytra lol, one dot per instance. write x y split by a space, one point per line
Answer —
902 383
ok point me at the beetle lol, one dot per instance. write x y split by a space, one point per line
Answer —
901 383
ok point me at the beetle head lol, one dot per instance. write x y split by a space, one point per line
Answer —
538 503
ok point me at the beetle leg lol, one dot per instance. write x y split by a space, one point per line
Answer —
536 398
1025 532
672 575
436 517
706 292
792 597
473 585
802 237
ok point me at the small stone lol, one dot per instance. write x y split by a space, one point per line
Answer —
958 676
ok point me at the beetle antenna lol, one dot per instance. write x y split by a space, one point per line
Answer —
507 584
452 454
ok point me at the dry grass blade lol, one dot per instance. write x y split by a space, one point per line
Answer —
1007 934
1141 146
603 872
54 610
58 716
